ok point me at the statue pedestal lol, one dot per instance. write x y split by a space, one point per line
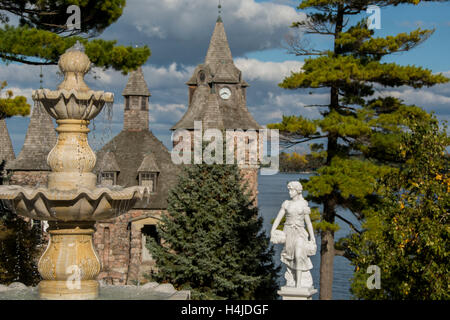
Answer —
292 293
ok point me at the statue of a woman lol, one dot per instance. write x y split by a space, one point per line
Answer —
299 242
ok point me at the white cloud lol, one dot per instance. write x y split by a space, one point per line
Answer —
179 30
418 97
254 69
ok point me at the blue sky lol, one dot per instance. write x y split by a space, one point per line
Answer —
178 33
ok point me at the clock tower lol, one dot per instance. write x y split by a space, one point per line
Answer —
217 97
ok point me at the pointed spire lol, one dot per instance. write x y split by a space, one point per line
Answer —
136 85
219 50
39 141
219 18
6 148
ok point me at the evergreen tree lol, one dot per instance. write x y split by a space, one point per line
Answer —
12 106
361 130
41 36
407 234
212 238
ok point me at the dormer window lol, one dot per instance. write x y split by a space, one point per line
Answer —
107 170
149 180
107 178
148 173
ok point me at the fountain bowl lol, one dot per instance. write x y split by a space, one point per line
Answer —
73 104
75 205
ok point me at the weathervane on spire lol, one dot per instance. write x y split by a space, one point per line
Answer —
219 18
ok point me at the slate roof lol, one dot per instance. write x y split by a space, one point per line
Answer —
130 149
6 148
219 50
108 163
149 164
136 85
39 141
205 105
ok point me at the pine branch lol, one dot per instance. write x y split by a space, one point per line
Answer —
349 223
34 63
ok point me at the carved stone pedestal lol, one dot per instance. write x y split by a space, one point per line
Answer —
69 265
292 293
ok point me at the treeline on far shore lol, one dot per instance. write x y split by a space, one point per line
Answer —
295 162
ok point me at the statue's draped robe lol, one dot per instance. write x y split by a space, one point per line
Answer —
296 235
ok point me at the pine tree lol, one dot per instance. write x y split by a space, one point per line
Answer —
12 106
407 234
42 36
361 130
212 238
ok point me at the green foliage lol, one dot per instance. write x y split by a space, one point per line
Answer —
28 45
294 162
407 234
213 243
344 70
295 125
362 132
42 36
12 106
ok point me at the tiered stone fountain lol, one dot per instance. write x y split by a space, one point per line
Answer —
71 202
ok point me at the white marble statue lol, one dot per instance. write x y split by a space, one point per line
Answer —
299 242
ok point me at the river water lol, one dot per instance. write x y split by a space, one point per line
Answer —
272 192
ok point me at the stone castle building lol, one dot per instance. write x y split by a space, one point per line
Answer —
217 98
134 157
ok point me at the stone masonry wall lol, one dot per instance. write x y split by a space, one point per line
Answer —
135 120
250 175
118 243
29 178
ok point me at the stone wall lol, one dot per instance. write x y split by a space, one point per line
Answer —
29 178
250 175
135 118
119 245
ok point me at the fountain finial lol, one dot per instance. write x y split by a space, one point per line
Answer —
78 46
74 63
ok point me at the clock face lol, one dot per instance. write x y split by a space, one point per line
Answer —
225 93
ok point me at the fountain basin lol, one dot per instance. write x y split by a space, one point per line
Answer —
149 291
73 104
75 205
71 201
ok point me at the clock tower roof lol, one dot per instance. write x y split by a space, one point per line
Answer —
217 92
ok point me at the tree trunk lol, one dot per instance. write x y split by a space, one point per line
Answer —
327 236
327 255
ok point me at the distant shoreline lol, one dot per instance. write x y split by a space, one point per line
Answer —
297 172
